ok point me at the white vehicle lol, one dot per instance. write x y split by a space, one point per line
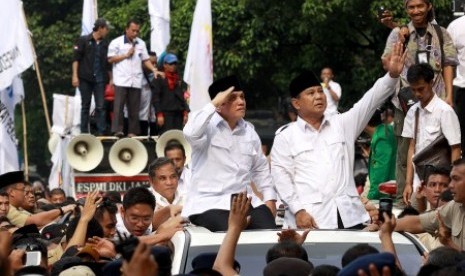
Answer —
323 247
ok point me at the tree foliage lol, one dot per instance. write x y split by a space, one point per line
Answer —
265 42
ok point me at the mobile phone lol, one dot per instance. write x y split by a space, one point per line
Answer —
33 258
381 11
385 206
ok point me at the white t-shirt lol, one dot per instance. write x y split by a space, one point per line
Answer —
456 30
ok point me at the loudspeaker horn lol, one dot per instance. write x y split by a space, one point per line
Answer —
84 152
170 135
128 157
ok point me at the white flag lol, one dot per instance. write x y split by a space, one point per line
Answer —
89 15
61 174
198 72
16 53
159 11
9 98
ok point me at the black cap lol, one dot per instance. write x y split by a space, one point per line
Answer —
10 178
303 81
54 232
223 84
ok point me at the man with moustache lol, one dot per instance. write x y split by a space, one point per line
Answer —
312 159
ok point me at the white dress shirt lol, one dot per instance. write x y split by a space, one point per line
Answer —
436 118
224 162
313 168
121 228
128 72
456 30
184 181
331 108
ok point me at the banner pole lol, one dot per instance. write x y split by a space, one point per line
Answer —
26 161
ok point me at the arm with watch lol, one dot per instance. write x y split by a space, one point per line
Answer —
43 218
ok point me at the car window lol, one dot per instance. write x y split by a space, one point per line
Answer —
252 256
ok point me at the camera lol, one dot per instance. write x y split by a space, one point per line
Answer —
381 11
32 256
126 245
385 206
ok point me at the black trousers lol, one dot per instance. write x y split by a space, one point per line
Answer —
217 220
459 93
340 225
173 120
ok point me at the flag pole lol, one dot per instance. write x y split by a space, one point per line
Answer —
26 162
39 78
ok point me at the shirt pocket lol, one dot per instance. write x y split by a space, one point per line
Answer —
336 145
432 130
248 154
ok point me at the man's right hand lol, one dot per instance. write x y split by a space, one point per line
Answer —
407 194
131 51
304 220
75 81
222 97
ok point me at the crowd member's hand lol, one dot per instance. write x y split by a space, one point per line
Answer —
90 206
157 74
419 195
68 208
372 227
222 97
104 247
404 33
239 210
407 194
373 271
397 60
443 233
304 220
271 204
75 81
292 235
387 19
175 210
168 228
373 212
130 52
387 227
160 121
142 262
16 259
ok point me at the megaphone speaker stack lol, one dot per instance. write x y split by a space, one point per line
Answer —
128 157
170 135
84 152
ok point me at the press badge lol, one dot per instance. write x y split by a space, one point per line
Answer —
422 56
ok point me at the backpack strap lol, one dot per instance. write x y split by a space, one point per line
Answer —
438 30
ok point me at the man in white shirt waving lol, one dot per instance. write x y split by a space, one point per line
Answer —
226 157
312 159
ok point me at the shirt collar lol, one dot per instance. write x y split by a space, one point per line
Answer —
432 104
126 39
161 199
303 125
429 28
217 121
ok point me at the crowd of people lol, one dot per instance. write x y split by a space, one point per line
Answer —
133 93
230 185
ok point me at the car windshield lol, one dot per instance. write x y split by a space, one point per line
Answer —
252 256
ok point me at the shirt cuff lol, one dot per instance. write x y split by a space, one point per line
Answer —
269 195
295 207
209 108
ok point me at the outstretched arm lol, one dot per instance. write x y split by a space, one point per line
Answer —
224 262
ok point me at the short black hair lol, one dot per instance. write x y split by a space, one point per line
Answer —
158 163
286 249
107 206
57 191
113 196
174 144
422 71
445 256
431 170
138 195
458 162
356 251
325 270
93 228
132 20
152 53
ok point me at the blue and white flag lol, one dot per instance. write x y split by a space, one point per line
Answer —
9 98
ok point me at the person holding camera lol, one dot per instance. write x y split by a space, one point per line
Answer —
332 90
424 42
